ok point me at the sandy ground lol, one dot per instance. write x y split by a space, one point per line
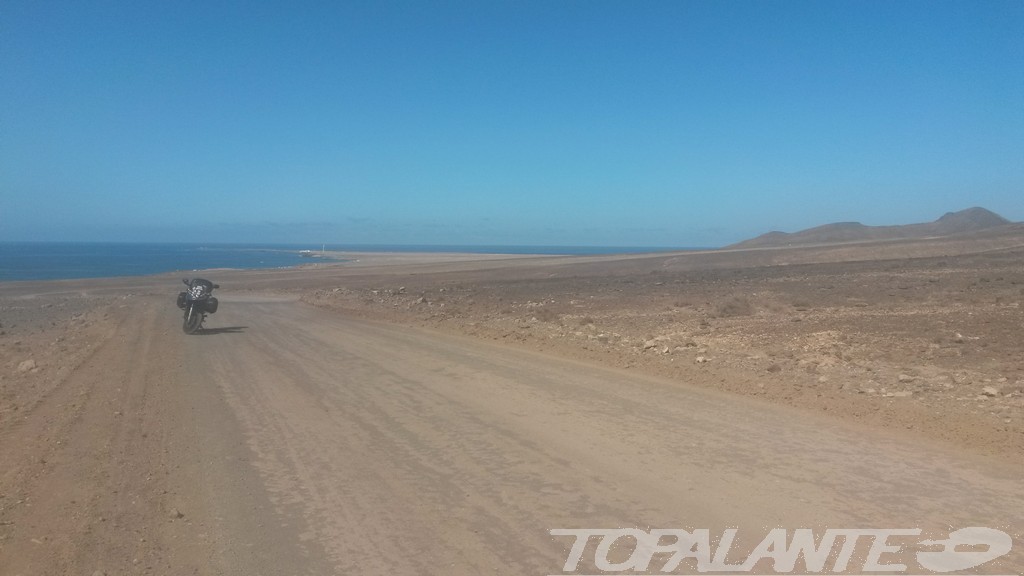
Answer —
928 345
441 417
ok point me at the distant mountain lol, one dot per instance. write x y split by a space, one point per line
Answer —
964 221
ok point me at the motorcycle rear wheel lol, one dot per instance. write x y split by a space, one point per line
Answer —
193 319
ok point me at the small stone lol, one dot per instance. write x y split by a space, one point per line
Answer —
904 378
174 514
701 359
650 344
903 394
990 391
27 365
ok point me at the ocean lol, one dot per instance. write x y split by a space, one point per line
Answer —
69 260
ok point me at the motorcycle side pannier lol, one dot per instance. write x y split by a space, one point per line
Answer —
181 299
211 305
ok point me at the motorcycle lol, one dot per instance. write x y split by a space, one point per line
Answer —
197 302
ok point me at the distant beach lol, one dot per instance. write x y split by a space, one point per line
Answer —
71 260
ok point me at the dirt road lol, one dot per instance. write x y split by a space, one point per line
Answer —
288 440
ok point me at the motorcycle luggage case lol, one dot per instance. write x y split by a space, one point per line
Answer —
181 299
211 305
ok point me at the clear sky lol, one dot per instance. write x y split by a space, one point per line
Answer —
676 123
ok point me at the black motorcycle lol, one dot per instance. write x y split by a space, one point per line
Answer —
197 302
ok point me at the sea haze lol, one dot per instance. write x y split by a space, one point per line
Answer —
67 260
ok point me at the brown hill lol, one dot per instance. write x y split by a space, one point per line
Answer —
964 221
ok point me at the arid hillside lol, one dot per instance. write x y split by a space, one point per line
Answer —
965 222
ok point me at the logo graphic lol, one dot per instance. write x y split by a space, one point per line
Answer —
869 551
949 559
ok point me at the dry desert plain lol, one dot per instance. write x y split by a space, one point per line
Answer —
440 414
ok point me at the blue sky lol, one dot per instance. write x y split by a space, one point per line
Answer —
572 123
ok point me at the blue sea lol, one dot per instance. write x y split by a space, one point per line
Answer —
60 260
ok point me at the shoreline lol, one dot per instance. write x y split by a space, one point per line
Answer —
305 258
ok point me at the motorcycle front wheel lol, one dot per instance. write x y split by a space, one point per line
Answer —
193 319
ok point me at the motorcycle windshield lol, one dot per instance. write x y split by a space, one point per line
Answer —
202 286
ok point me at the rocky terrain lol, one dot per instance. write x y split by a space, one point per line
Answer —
930 345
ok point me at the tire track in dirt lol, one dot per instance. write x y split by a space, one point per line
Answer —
409 452
132 465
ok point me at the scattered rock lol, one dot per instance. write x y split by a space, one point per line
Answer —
175 514
905 378
990 391
27 365
701 359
